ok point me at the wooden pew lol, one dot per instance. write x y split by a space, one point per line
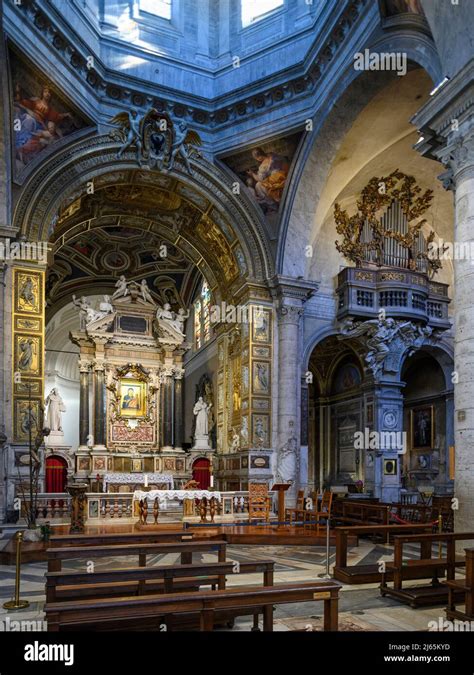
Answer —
461 591
365 574
139 613
186 548
107 539
427 567
62 586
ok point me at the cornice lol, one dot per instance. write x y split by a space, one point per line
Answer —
212 113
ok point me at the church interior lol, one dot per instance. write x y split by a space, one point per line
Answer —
237 335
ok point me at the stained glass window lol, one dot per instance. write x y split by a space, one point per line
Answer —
202 316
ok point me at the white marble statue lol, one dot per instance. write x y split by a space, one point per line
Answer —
171 324
106 306
179 320
145 292
55 405
122 288
235 445
201 410
201 434
84 307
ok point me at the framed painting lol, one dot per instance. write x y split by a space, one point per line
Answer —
137 466
422 427
132 398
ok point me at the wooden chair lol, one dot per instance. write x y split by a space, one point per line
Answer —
294 513
259 502
322 510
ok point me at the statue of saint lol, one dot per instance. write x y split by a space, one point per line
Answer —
55 408
201 410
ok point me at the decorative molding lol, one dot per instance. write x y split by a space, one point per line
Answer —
99 81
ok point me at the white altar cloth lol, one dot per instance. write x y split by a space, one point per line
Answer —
168 495
138 478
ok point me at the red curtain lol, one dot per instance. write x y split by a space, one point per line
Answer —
56 474
201 473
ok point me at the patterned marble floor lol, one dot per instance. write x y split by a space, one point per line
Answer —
361 607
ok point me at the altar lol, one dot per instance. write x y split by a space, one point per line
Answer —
131 415
151 501
138 479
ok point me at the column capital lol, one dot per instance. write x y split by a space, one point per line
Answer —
446 125
290 288
84 366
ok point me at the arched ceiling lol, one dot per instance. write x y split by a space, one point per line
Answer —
145 225
380 140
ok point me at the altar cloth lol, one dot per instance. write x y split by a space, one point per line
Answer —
168 495
138 478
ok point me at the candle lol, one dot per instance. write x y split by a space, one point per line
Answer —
212 480
146 480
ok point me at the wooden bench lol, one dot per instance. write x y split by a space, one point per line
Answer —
107 539
139 613
365 574
462 592
62 586
425 568
186 549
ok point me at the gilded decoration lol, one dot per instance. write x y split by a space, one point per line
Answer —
377 198
28 351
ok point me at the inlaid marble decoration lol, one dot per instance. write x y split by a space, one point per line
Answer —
260 377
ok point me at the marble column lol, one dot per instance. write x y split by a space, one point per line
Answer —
291 294
99 407
461 162
167 411
84 368
178 412
446 125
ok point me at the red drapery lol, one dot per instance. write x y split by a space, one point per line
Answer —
56 474
201 473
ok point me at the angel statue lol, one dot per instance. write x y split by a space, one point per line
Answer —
184 144
129 132
145 292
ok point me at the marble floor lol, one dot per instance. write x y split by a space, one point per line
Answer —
361 607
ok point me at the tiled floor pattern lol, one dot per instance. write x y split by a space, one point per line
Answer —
361 607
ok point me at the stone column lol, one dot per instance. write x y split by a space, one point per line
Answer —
461 163
99 407
291 295
178 411
446 125
84 369
167 422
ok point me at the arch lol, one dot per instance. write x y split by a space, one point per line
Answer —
201 472
89 160
56 472
349 96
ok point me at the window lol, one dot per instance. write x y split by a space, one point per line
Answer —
254 10
161 8
202 316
